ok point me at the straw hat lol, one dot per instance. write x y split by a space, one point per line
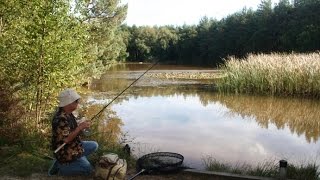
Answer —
67 96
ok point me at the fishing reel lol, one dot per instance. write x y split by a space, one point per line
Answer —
87 131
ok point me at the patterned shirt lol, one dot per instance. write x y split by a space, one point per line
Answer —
62 125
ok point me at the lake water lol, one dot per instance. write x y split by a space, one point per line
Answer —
188 117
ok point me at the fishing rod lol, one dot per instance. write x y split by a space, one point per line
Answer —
61 146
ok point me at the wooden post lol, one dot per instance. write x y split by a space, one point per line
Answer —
283 169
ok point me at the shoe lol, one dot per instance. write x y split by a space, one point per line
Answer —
53 170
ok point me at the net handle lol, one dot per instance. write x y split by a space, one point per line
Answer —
160 154
142 170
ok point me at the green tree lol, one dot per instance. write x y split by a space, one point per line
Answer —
103 18
141 42
186 45
203 41
263 38
41 51
166 38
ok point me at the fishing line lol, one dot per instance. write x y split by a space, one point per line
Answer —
113 100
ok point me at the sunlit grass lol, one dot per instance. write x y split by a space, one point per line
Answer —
281 74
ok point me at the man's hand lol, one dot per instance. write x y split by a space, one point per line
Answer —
84 125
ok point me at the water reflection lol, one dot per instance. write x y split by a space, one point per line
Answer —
302 116
183 124
121 76
189 118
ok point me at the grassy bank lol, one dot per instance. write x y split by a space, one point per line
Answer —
33 154
270 168
18 161
275 74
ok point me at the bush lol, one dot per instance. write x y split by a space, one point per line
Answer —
11 125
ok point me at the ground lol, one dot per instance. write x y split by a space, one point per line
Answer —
175 176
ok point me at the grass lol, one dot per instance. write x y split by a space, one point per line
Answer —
15 161
269 168
32 151
18 161
275 74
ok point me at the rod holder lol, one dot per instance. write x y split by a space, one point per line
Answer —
283 169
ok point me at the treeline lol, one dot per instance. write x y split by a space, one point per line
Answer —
286 27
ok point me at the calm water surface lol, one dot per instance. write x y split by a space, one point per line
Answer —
187 117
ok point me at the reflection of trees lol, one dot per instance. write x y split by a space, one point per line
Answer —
184 90
106 128
300 115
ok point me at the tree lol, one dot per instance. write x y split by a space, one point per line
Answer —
166 38
203 40
141 42
41 51
186 45
104 17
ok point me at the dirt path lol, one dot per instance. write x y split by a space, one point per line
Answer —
130 173
141 177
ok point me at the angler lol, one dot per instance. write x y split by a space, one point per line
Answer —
70 152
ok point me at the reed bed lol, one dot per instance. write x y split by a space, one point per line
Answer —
276 74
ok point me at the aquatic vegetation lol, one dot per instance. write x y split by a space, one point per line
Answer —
275 74
188 75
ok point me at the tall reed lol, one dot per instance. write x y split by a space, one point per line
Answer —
281 74
267 168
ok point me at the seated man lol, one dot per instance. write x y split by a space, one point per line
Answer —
71 158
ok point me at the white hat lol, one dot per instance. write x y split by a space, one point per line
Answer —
67 96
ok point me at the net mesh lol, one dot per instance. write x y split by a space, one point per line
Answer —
160 162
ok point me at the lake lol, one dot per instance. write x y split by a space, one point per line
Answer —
190 118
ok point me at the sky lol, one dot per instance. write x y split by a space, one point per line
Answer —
179 12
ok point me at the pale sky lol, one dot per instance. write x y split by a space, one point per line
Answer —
179 12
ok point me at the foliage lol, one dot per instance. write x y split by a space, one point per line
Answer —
103 18
140 42
41 51
46 46
11 116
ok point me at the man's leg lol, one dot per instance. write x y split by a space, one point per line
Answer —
80 166
89 147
